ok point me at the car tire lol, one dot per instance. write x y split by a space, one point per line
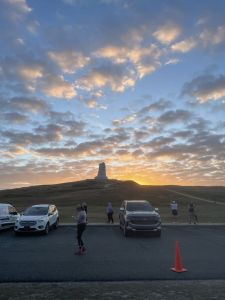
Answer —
56 224
158 233
46 231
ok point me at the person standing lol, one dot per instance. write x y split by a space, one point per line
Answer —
192 215
84 205
109 212
174 208
81 226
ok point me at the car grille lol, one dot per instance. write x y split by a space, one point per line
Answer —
145 221
28 223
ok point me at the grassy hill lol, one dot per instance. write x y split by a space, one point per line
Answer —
97 194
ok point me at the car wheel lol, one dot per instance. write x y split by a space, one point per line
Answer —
46 231
158 233
56 224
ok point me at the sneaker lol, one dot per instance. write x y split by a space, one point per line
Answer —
79 252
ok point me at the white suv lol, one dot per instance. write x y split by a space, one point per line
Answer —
37 218
8 215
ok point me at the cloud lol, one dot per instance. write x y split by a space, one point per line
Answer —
17 110
24 138
25 104
167 33
56 86
14 151
213 37
30 72
115 77
205 88
69 61
185 45
160 141
159 105
172 61
22 72
145 60
125 120
13 117
15 9
173 116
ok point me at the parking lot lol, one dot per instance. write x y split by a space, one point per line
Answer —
111 256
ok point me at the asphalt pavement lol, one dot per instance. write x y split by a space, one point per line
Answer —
112 257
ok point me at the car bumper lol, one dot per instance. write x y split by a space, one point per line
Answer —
29 228
137 227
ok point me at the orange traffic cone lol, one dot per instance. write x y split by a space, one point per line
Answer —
178 264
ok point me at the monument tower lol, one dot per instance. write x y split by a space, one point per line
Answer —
101 172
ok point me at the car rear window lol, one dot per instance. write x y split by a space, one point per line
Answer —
139 206
36 211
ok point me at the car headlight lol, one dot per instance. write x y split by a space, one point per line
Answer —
41 221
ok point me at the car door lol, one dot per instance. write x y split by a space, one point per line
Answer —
13 214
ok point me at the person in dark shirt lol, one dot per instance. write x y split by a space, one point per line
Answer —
109 212
192 215
81 226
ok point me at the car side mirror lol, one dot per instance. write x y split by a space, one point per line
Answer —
156 209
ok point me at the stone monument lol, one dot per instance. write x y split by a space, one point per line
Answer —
101 172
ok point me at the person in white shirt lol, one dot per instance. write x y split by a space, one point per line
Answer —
81 226
174 208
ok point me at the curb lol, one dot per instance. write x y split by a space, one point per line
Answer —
163 224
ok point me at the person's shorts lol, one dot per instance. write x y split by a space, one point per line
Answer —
174 212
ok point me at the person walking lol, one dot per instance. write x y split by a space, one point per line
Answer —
174 208
81 226
109 212
192 215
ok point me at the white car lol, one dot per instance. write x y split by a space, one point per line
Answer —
8 215
37 218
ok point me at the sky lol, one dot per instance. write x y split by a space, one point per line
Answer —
138 84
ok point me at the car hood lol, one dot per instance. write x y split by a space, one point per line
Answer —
32 218
142 214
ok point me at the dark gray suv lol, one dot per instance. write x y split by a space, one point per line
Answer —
139 215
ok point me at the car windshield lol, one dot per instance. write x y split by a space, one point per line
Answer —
139 206
36 211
